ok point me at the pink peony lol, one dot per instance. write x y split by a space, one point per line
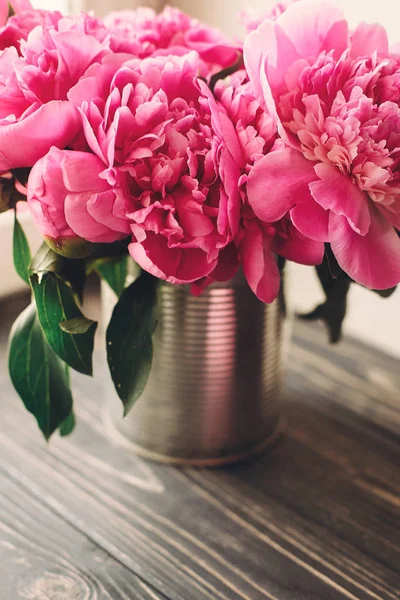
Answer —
259 241
70 201
145 33
160 170
337 107
34 111
87 24
252 18
19 26
16 5
20 5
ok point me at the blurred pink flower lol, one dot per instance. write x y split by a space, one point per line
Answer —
145 33
252 18
19 26
34 111
20 5
16 5
336 106
259 241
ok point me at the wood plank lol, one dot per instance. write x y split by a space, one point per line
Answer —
43 558
316 549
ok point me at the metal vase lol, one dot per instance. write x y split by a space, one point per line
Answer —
214 393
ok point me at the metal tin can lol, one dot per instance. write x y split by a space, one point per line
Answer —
214 393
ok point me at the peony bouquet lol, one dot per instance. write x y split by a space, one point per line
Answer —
151 139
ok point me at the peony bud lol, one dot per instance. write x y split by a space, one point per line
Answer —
71 247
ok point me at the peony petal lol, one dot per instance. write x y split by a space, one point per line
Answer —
336 191
278 182
268 40
20 5
81 172
3 12
337 38
223 125
91 138
269 104
314 26
175 265
76 52
303 251
101 207
191 216
311 220
228 264
259 263
230 204
96 81
373 259
211 46
369 38
82 222
25 142
46 195
391 213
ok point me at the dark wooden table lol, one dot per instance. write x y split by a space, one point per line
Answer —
316 518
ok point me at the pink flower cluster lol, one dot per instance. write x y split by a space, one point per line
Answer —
145 33
157 170
335 99
128 137
259 241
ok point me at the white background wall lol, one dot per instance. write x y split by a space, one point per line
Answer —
370 318
61 5
101 7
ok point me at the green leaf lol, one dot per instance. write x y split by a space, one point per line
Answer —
385 293
236 66
114 250
73 270
336 285
129 339
38 375
22 175
21 251
56 304
68 425
114 272
46 260
77 326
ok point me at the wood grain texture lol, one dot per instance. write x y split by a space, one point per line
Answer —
316 518
42 557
